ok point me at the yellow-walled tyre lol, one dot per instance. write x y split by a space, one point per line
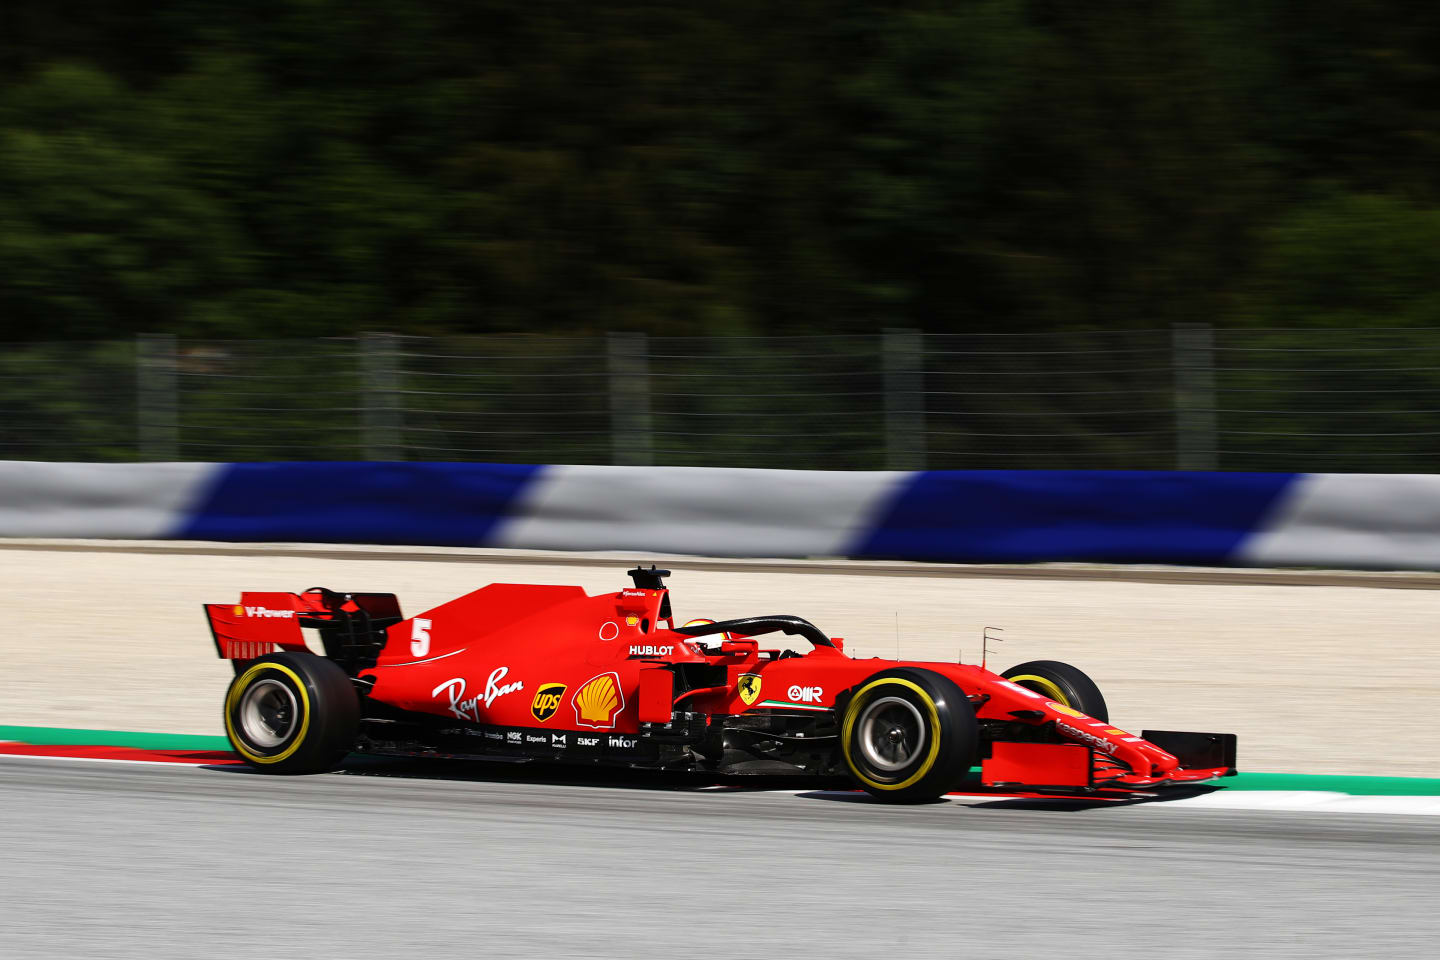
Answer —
1064 684
908 735
292 713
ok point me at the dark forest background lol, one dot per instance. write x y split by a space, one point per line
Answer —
317 167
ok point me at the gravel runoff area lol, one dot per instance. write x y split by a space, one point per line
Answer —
1321 672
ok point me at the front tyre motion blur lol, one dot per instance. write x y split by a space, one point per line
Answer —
1066 685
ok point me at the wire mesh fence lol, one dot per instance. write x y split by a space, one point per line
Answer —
1346 401
63 401
1191 397
1081 401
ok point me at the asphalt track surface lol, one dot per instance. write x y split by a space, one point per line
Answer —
122 860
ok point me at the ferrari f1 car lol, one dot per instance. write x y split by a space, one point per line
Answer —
528 672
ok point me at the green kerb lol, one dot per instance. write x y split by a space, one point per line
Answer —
1360 786
59 736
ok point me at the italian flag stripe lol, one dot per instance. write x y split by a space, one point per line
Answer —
789 706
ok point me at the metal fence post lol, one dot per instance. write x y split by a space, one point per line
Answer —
1193 352
157 405
380 396
630 428
903 354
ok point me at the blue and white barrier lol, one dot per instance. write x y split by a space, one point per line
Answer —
980 516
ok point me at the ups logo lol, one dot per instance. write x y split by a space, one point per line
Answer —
547 701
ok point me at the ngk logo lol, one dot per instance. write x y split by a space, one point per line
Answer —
805 694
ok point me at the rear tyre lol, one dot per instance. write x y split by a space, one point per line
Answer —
292 713
908 735
1062 683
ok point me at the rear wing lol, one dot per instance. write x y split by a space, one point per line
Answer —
351 626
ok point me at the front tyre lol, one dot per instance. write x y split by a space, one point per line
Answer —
908 735
1062 683
292 713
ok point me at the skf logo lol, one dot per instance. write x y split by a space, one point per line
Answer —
598 702
749 688
637 651
547 701
587 741
805 694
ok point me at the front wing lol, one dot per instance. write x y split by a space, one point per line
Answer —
1080 767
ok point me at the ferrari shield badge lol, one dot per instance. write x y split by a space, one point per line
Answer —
749 688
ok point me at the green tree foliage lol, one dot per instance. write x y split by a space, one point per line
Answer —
1337 365
313 167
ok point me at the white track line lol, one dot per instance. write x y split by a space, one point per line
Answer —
1287 801
148 763
1311 801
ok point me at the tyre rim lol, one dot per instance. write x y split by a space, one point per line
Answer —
1043 686
892 734
268 712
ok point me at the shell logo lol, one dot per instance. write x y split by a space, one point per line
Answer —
239 610
1061 708
598 703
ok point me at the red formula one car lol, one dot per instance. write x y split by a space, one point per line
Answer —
520 671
